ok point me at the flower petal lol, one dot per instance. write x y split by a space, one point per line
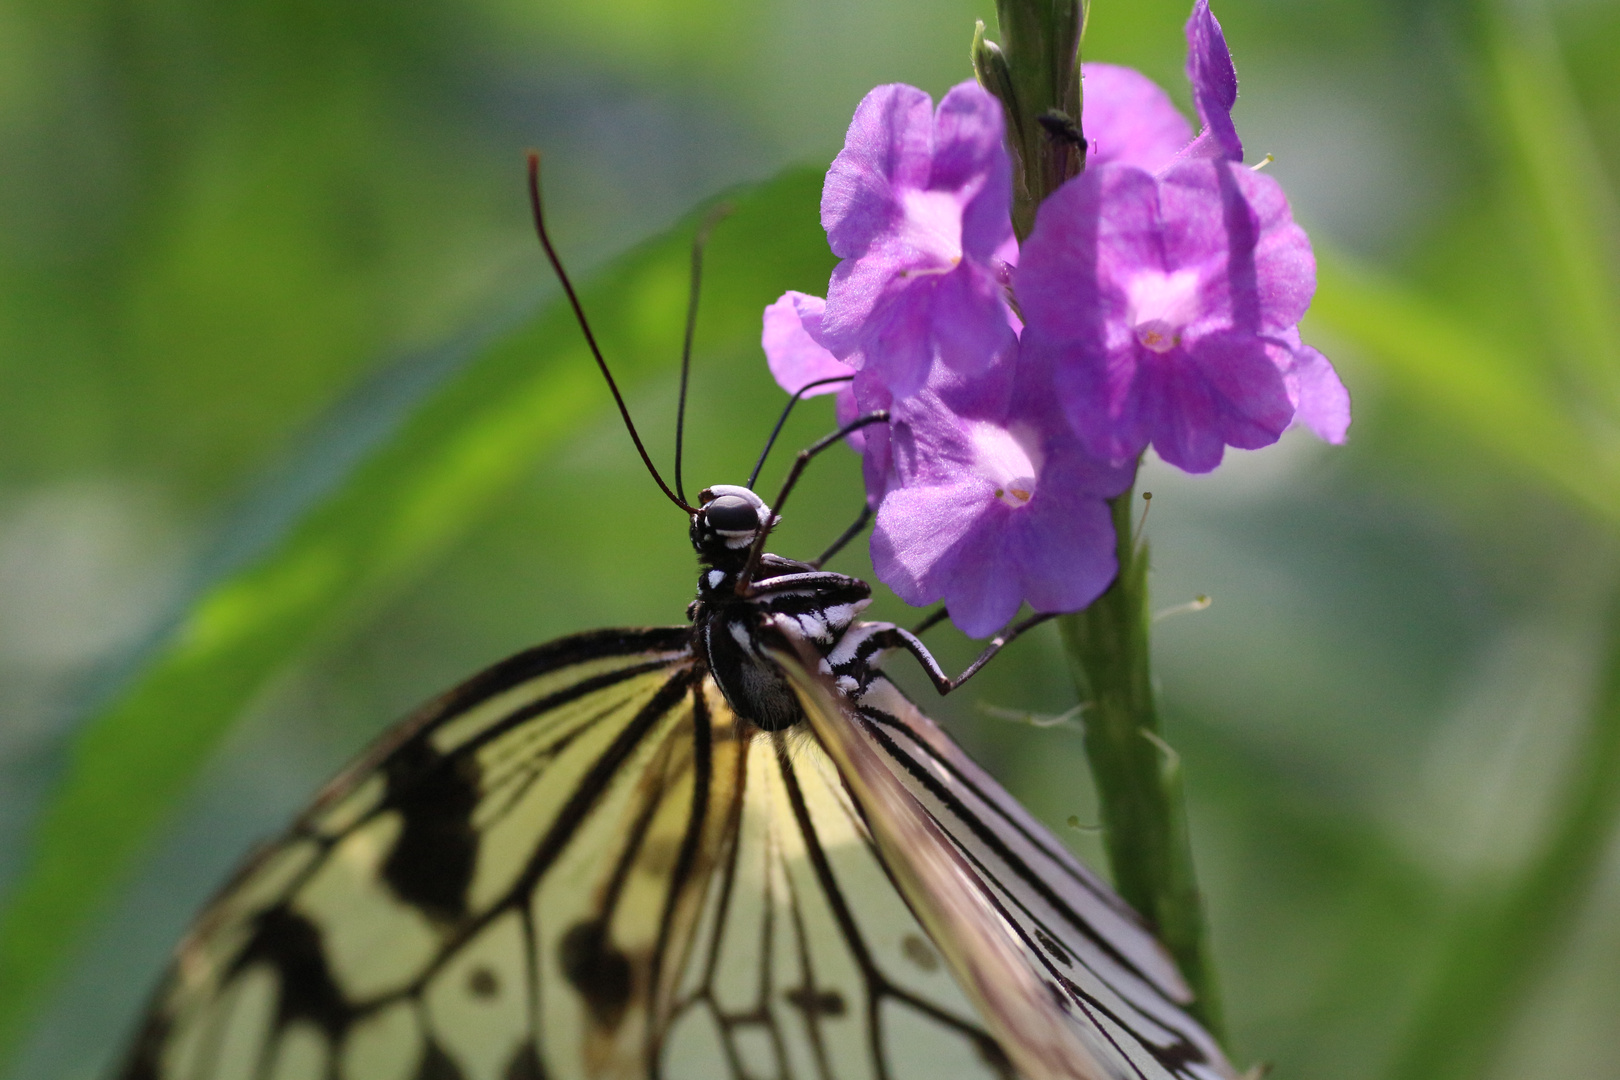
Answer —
1065 548
969 321
970 158
1234 225
796 359
1103 220
917 527
887 148
1127 118
1225 390
1321 402
980 577
1214 80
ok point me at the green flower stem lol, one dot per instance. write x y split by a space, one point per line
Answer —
1035 71
1138 775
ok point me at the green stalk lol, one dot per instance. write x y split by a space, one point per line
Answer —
1035 72
1138 775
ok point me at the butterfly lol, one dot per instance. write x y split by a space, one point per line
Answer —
731 849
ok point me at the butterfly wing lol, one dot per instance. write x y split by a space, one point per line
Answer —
1068 980
579 864
808 962
482 896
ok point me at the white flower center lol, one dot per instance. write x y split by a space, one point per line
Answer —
1010 458
1161 305
933 225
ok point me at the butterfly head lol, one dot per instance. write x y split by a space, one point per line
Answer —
728 521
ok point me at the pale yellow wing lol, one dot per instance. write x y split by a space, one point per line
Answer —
807 962
485 897
1066 979
579 865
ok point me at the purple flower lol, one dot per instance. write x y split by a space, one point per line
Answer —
1128 118
1214 83
797 359
1321 403
991 501
917 205
1167 307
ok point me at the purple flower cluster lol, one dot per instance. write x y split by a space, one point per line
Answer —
1156 302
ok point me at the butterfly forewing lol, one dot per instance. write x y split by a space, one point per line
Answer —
1086 938
1067 978
377 939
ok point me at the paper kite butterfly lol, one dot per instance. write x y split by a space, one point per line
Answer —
730 850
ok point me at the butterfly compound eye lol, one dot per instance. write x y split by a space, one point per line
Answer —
731 514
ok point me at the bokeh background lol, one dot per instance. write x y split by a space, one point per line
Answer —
288 442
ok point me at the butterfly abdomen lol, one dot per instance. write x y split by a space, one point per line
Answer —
735 632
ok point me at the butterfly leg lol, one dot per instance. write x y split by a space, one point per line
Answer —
887 636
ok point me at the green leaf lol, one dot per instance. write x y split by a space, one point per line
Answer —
1465 380
1570 208
384 525
1507 935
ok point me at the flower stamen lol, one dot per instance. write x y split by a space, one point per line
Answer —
1158 335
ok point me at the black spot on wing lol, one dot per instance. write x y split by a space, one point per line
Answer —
291 945
995 1058
436 1065
483 983
814 1002
1053 948
599 971
432 864
525 1064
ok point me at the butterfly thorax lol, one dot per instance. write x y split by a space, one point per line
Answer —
734 632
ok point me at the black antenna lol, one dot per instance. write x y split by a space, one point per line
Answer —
585 327
780 420
699 242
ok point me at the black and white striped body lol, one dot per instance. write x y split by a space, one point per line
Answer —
735 631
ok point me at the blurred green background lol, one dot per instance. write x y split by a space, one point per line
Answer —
291 437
